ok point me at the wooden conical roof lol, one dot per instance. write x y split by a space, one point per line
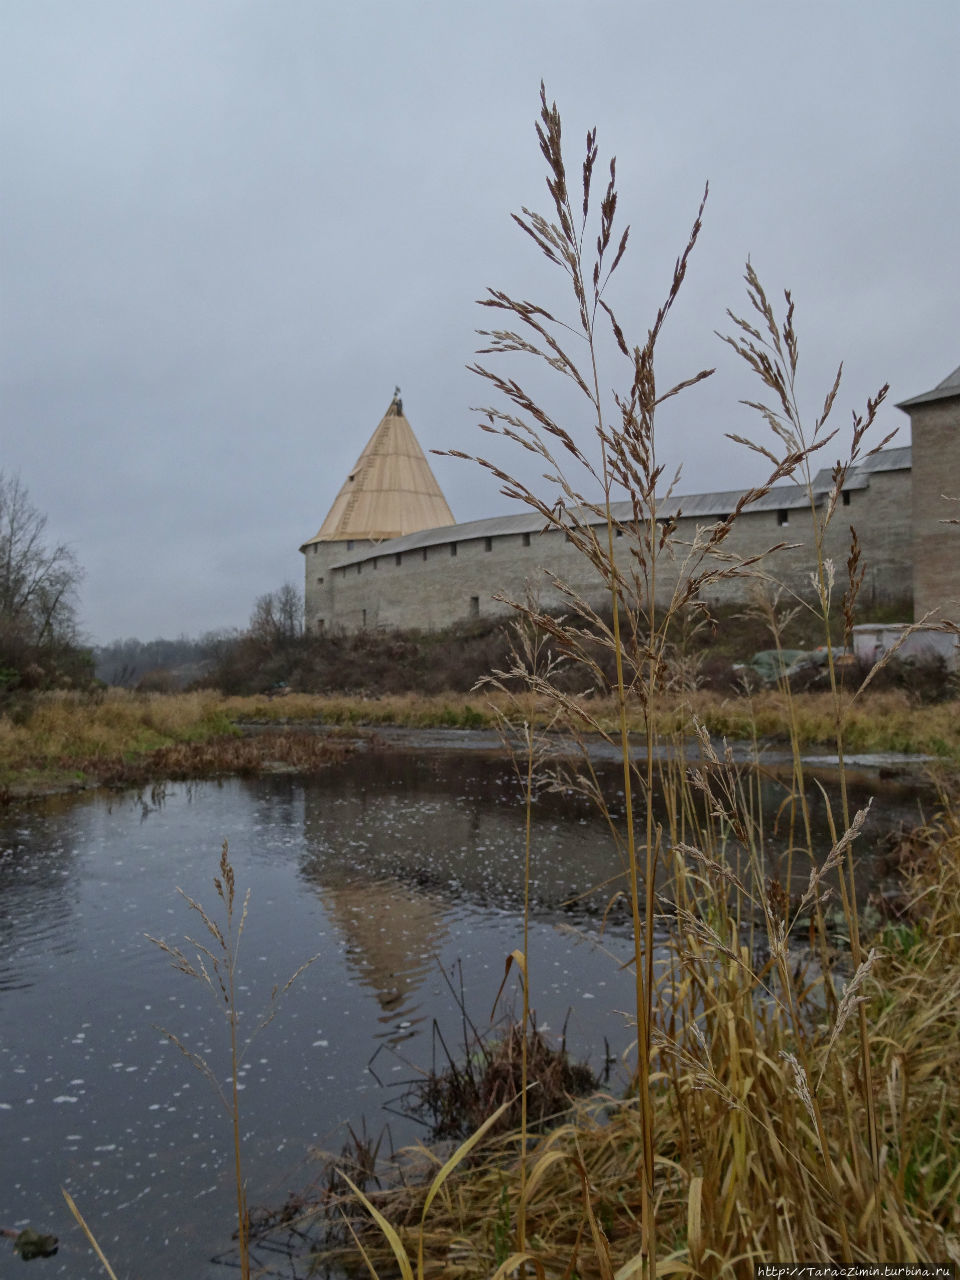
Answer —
390 491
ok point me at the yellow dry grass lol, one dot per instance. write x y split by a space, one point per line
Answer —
745 1135
62 729
883 721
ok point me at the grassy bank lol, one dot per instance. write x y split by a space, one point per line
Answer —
72 738
119 738
758 1157
883 721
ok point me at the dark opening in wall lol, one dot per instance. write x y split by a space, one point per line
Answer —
398 558
349 544
526 539
845 495
359 568
364 617
474 606
783 517
619 533
424 553
488 544
376 563
453 548
319 582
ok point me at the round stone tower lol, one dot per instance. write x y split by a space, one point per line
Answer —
390 491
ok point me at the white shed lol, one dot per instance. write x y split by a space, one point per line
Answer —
873 639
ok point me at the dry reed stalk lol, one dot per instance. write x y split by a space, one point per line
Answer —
759 1195
215 964
531 661
638 637
771 351
724 1153
71 1205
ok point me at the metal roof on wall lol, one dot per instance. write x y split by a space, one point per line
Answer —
691 506
950 386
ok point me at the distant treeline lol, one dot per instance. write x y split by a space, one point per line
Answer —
167 664
252 661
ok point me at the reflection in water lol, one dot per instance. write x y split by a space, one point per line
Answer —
392 868
354 869
453 826
392 938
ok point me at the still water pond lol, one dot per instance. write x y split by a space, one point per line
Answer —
396 869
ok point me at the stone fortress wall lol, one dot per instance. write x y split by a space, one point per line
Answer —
434 576
430 579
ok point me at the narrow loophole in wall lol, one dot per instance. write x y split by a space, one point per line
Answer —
783 517
526 539
845 495
398 558
488 544
474 606
453 548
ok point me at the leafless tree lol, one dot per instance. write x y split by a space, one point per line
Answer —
38 580
278 615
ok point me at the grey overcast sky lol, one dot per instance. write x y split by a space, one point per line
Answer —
228 229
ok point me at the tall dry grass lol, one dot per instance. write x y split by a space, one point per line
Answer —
61 730
740 1124
882 721
127 739
769 1116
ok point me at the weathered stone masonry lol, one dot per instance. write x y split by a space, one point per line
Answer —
438 572
935 488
